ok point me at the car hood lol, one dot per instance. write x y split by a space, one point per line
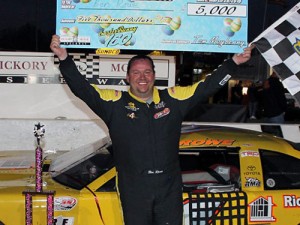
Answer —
27 181
18 172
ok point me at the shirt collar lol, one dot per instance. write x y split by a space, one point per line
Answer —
155 97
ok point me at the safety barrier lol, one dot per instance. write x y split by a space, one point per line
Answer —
66 135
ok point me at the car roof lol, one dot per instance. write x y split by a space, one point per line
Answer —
200 136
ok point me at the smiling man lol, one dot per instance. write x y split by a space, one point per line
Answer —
144 125
141 76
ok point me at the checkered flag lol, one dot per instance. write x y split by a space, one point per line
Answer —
280 46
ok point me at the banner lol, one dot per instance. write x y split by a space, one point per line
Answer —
197 25
110 71
33 88
104 71
280 46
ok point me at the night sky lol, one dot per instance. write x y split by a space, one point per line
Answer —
28 25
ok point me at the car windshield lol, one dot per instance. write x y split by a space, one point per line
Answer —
78 168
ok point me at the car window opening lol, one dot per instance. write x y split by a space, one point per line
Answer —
280 170
80 175
210 170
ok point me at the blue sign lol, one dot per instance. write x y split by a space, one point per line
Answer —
165 25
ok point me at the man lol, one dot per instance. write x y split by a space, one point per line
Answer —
274 101
253 102
237 93
144 125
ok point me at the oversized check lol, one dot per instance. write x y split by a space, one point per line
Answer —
166 25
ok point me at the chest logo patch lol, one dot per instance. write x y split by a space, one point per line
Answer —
131 107
160 105
132 115
161 114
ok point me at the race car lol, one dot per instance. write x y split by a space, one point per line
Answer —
230 176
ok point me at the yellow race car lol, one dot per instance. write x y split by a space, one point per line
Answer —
230 176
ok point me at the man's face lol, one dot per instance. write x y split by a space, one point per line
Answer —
141 78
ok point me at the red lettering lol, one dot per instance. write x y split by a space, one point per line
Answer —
198 142
213 142
184 142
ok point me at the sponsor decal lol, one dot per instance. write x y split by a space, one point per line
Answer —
64 203
254 173
131 107
81 66
270 182
296 46
60 220
249 154
107 51
207 141
160 105
252 182
161 114
261 210
251 168
251 171
131 115
225 80
291 201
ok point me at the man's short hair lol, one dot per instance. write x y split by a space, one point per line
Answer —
138 57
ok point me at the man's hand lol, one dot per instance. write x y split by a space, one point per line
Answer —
243 57
56 49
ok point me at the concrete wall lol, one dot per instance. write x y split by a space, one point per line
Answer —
64 135
60 135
